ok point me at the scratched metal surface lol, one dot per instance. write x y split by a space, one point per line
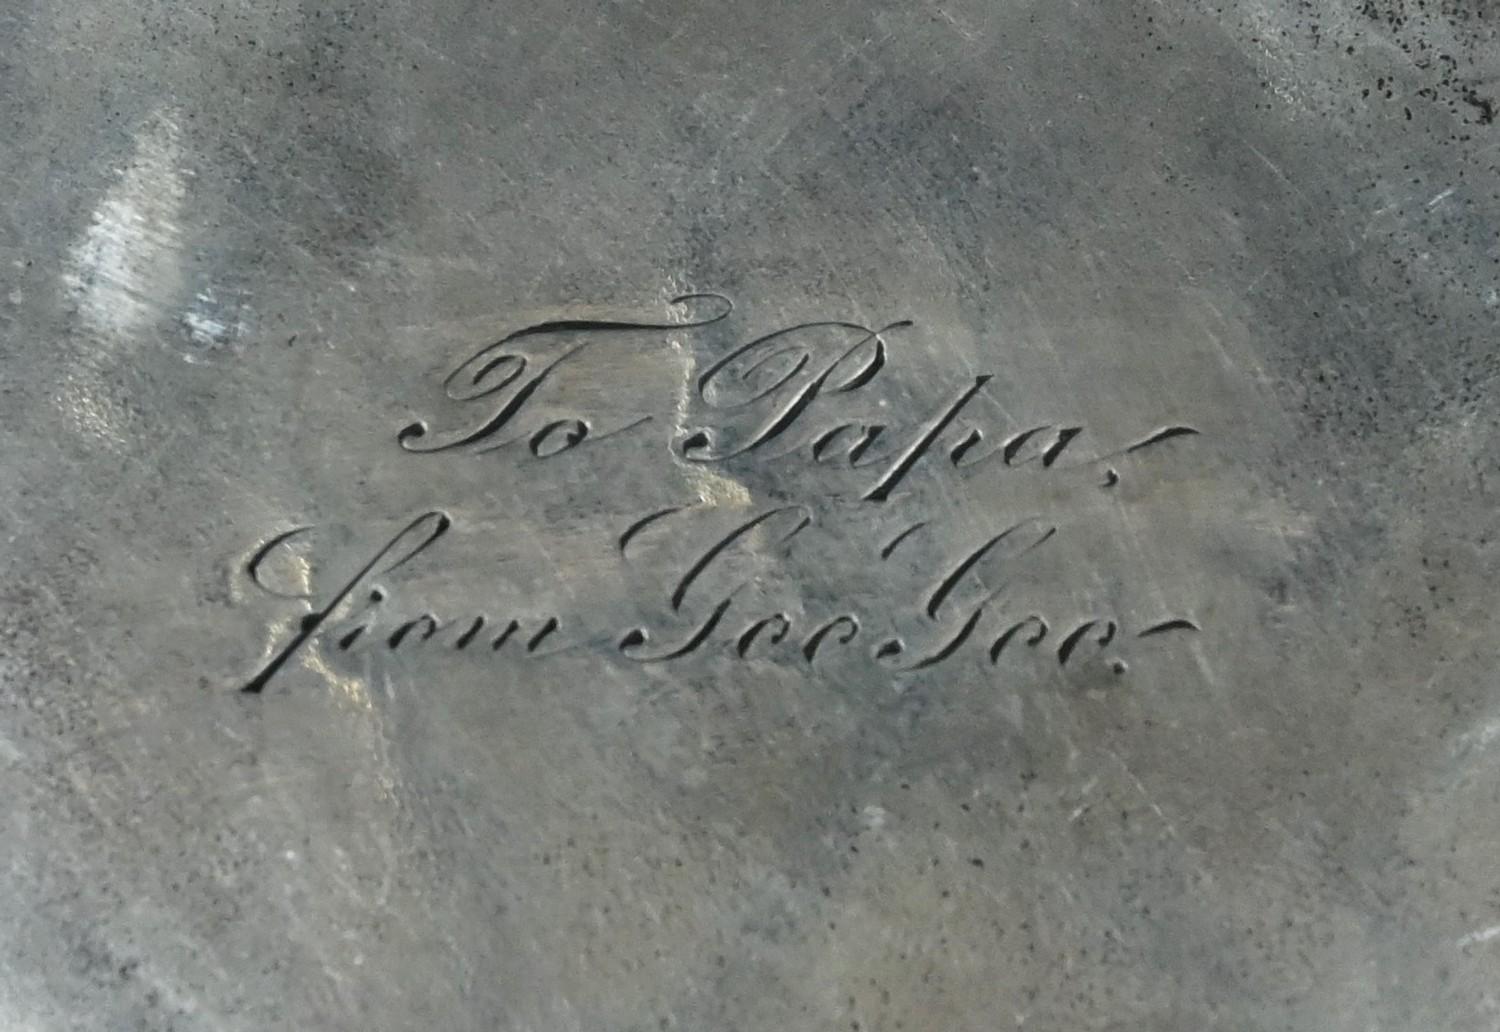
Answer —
1138 673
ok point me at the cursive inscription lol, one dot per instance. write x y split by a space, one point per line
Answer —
797 405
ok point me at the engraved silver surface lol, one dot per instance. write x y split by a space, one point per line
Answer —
849 515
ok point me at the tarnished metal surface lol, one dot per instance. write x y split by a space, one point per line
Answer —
714 516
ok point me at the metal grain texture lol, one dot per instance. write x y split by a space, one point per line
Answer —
1248 779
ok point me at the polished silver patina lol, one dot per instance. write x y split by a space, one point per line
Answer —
749 516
